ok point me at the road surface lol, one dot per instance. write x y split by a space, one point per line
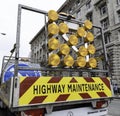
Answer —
114 108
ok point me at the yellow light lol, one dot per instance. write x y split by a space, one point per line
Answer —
89 37
73 40
88 25
83 51
81 61
63 28
91 49
92 62
53 29
53 44
64 49
54 60
68 61
81 32
52 15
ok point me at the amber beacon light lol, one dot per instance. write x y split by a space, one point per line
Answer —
70 47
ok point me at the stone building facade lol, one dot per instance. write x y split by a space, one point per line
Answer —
103 13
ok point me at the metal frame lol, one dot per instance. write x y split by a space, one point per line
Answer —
64 18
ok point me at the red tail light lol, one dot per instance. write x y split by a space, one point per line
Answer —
35 112
101 104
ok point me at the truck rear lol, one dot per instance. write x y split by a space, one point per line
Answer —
72 78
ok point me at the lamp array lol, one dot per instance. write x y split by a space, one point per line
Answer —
62 56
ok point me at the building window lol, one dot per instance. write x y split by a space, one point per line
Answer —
107 38
103 9
78 14
78 2
118 13
89 17
105 23
88 4
70 10
118 2
119 34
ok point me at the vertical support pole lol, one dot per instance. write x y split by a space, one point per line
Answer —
15 92
17 41
46 40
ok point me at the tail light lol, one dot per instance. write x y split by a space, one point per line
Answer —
101 104
35 112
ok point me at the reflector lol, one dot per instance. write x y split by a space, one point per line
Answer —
63 28
88 25
53 44
54 60
68 61
91 49
81 62
64 49
53 29
52 15
83 51
73 40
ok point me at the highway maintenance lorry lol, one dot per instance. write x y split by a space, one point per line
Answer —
71 79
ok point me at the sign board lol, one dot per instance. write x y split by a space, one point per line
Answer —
45 90
9 73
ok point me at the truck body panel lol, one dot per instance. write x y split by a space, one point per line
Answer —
38 91
87 111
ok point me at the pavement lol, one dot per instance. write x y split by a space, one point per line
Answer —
114 107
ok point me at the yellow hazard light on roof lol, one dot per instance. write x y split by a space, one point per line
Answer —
89 37
91 49
68 61
54 60
88 25
52 15
92 63
53 29
80 62
53 44
73 40
64 49
63 28
83 51
81 32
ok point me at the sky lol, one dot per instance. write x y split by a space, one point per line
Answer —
30 23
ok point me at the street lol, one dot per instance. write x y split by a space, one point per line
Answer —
114 108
